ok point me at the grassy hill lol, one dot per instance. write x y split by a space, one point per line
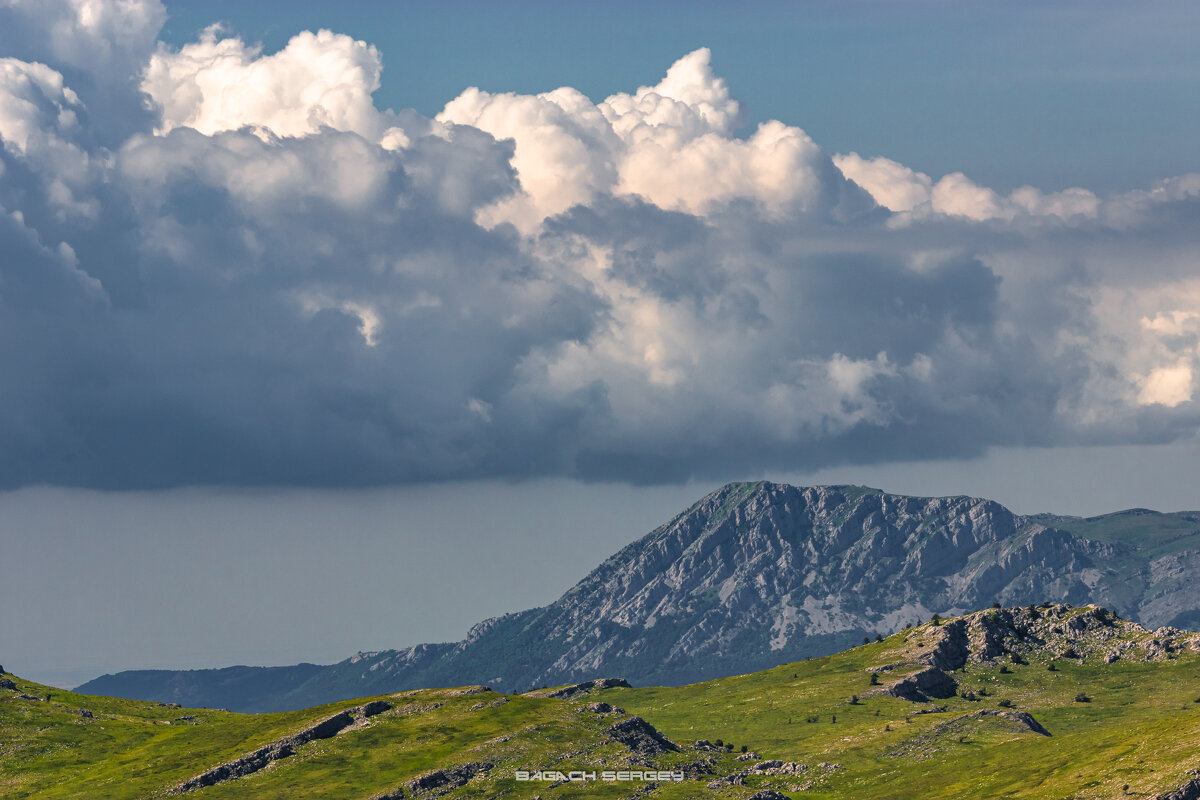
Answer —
968 707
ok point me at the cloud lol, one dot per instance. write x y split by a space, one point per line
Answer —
670 144
319 80
268 280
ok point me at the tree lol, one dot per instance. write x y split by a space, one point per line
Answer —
936 619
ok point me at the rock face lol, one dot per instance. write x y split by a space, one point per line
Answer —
759 574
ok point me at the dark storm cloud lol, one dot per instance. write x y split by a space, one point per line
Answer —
241 284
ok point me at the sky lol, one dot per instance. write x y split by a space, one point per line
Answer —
329 327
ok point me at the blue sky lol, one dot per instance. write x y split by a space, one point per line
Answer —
292 285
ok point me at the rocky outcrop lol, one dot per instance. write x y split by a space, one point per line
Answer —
603 708
282 748
5 683
1058 630
924 686
568 692
1019 717
641 737
1188 791
441 781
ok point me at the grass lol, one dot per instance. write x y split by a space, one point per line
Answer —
1138 728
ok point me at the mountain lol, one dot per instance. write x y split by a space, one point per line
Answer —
757 574
1052 701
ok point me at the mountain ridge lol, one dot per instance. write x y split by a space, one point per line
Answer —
758 573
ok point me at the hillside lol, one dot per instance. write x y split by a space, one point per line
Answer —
1048 702
757 574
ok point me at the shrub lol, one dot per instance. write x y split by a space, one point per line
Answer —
1005 703
968 695
1082 698
995 605
1051 667
936 619
866 640
874 678
719 743
1004 670
745 748
1070 652
879 637
983 692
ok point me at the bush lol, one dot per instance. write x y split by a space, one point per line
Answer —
1051 667
968 695
1082 698
719 743
866 640
745 748
936 619
983 692
1005 703
1004 670
1070 652
879 637
874 678
995 605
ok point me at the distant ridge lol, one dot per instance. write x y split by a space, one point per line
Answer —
754 575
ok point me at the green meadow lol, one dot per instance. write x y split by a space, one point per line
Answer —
1126 728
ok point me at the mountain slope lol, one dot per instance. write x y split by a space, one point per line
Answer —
1046 702
756 574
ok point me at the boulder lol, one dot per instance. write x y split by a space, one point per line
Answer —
924 686
641 737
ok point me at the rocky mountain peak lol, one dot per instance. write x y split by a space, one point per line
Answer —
757 574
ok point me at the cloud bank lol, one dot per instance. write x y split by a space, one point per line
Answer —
221 266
